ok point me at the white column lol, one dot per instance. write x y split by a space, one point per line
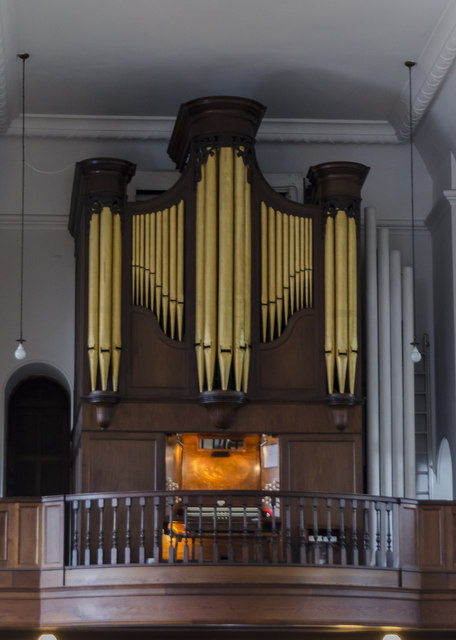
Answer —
397 411
409 384
373 438
384 359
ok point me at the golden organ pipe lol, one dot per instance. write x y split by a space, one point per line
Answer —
239 269
307 260
199 285
310 262
302 261
158 265
210 270
133 259
165 268
329 301
137 257
141 260
225 241
146 258
264 269
297 262
279 271
172 269
286 267
341 297
92 330
352 304
248 281
116 342
105 294
152 260
271 271
291 222
180 269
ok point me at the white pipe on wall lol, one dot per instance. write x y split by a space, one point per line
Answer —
396 376
409 384
373 436
384 333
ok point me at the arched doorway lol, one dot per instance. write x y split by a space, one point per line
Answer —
38 435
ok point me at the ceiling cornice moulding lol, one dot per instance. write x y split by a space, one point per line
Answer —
432 67
160 128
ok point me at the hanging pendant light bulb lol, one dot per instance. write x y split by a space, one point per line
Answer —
20 353
415 353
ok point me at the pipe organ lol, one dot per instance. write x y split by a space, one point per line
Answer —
232 307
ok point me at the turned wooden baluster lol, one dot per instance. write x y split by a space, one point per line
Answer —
245 533
315 543
127 554
288 554
88 507
354 540
200 530
329 544
230 531
378 535
342 536
100 532
115 504
275 556
157 531
171 532
185 503
389 537
366 533
214 533
75 537
142 533
259 533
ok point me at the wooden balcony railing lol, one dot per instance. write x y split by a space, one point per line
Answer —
232 528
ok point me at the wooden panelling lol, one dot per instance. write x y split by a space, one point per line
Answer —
408 536
3 534
28 521
154 361
325 464
288 364
431 536
53 531
123 461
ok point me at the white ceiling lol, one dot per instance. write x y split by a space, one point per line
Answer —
311 60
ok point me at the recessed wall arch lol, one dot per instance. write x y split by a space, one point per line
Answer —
37 431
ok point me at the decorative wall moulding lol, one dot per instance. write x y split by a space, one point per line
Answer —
159 128
34 221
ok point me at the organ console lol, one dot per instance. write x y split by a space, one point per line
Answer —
217 304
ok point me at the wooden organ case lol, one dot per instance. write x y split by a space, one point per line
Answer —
218 305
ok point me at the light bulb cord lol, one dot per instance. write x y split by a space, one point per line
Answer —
23 57
410 65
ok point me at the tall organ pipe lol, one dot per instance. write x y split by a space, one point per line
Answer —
386 471
396 376
373 437
409 384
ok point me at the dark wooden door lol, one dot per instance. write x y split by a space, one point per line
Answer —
38 439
